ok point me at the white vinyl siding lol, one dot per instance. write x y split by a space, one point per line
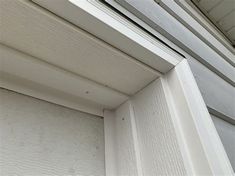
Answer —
227 134
37 137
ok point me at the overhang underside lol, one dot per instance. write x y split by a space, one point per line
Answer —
54 54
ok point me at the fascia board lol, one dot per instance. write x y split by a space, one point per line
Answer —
167 25
194 26
199 139
114 29
177 95
195 13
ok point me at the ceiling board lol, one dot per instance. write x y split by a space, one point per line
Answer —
35 31
116 30
221 13
231 33
32 70
221 10
209 4
226 22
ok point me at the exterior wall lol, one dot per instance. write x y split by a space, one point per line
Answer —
44 148
37 137
219 98
159 149
217 93
227 134
211 60
165 129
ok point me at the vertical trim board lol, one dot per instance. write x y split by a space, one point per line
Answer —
110 143
170 27
30 88
160 152
122 152
205 148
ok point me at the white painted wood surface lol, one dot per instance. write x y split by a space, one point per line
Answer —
159 149
195 27
33 70
211 96
48 94
165 129
110 143
122 149
204 150
181 140
162 21
40 138
37 32
114 29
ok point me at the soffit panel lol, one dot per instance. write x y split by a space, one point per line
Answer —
221 13
35 31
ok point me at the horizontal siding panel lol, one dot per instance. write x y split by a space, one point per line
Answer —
217 93
160 20
226 132
41 138
159 148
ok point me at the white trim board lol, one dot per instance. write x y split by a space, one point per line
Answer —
188 6
188 102
139 135
121 148
170 27
115 30
226 132
35 31
189 141
195 27
32 89
20 66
